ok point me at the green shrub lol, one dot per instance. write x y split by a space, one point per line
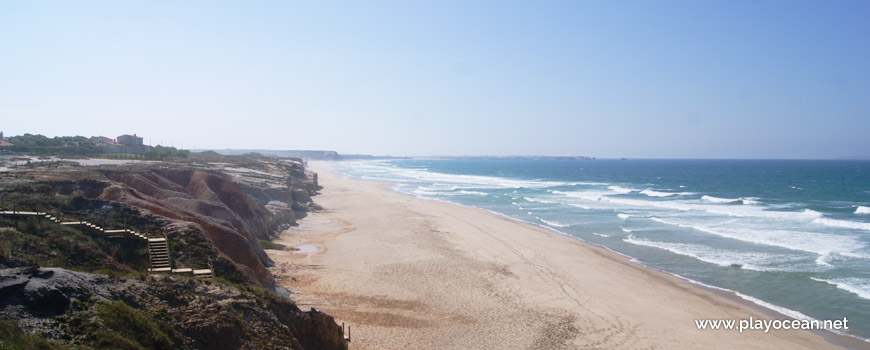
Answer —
124 322
271 245
11 337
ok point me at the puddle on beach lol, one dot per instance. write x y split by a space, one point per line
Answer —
305 249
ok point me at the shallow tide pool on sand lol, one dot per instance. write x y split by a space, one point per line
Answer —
306 249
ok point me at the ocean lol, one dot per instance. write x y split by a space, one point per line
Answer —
791 235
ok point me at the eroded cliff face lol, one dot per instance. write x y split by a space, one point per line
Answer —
231 220
210 213
233 205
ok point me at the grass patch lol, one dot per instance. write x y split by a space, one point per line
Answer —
271 245
12 337
128 328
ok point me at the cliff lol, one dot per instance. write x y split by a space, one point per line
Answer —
229 218
232 205
213 215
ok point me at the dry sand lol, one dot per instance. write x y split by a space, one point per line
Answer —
408 273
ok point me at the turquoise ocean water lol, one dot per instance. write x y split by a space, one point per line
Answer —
792 235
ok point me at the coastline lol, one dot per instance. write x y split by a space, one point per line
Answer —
408 272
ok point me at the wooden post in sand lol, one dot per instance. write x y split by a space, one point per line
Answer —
347 336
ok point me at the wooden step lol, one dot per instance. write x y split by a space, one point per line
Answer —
204 273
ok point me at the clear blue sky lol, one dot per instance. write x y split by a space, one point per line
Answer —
708 79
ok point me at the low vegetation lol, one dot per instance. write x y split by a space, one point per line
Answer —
271 245
163 153
12 338
128 328
68 146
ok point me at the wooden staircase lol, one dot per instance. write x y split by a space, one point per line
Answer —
158 249
203 273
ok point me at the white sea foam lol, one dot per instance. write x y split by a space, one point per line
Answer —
652 193
605 200
621 190
754 211
824 259
813 242
689 205
718 200
553 223
593 196
743 200
627 230
539 200
465 181
862 210
422 192
843 224
474 193
601 235
785 311
623 216
721 257
854 285
788 312
749 200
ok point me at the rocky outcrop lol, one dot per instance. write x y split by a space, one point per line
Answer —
66 306
283 195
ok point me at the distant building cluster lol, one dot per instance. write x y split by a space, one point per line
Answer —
131 144
3 142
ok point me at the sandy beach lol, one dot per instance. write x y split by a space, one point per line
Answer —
408 273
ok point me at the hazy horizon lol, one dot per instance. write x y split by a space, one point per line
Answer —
669 79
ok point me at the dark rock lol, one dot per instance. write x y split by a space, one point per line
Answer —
194 314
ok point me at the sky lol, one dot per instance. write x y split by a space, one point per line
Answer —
607 79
